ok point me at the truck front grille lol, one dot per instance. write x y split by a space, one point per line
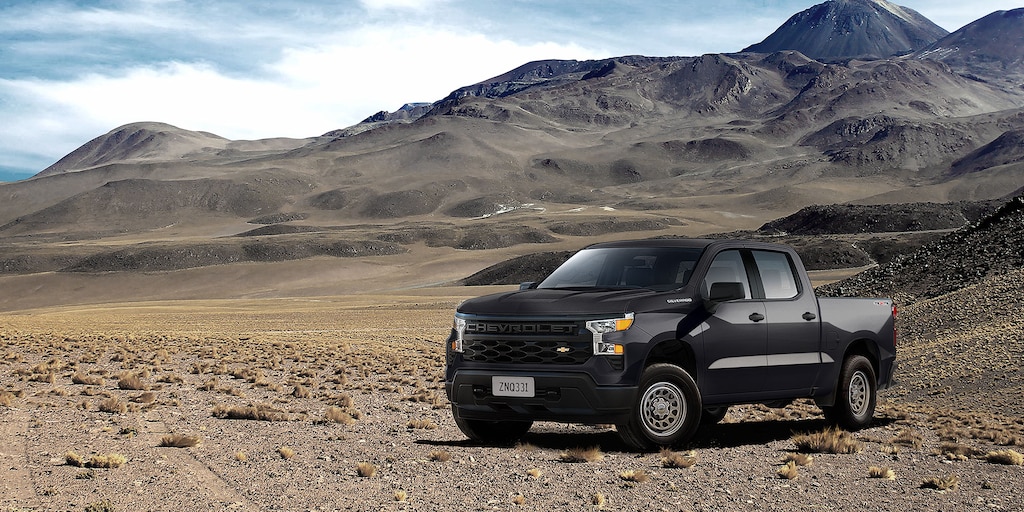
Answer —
527 352
515 342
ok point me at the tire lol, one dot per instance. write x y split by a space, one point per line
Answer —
492 432
855 395
667 410
713 415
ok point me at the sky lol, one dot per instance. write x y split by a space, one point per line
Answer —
72 70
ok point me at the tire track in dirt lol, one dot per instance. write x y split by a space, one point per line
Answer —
17 489
202 478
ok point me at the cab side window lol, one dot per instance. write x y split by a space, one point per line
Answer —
727 267
776 272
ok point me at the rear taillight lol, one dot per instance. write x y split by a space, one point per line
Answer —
894 312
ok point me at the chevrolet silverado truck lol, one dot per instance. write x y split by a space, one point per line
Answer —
660 336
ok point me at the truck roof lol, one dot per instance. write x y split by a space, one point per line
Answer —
691 243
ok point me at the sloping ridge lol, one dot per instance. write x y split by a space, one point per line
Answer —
1008 148
844 29
990 247
136 142
995 42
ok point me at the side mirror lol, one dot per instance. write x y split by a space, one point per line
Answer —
529 285
724 292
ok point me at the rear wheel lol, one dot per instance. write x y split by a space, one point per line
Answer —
492 432
855 398
667 411
713 415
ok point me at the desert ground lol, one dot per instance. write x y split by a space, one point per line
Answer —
337 403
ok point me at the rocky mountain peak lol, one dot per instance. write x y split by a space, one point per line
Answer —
844 29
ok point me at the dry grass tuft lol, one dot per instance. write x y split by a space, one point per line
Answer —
440 456
286 452
179 441
131 382
534 473
74 459
338 415
671 459
519 499
301 391
241 456
113 406
789 471
1007 457
575 455
6 398
877 472
100 506
113 460
109 461
909 438
401 495
146 398
956 451
259 412
421 424
800 459
87 380
638 476
830 440
366 470
598 500
943 484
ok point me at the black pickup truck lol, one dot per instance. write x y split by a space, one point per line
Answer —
659 336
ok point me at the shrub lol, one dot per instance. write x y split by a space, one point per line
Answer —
285 452
259 412
635 475
338 415
789 471
366 470
440 456
574 455
113 406
1008 457
830 440
671 459
877 472
131 382
948 483
179 441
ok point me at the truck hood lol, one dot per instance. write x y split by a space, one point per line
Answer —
590 302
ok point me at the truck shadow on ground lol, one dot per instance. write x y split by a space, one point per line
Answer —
553 436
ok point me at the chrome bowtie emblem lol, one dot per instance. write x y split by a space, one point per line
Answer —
562 350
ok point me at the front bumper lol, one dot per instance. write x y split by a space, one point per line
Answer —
568 397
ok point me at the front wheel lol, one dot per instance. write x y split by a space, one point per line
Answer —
855 397
492 432
667 411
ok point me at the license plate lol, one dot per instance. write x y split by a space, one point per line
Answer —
512 386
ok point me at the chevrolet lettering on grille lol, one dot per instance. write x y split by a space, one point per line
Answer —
487 328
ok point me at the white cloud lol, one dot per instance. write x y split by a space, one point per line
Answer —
307 92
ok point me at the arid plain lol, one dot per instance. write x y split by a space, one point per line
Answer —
337 403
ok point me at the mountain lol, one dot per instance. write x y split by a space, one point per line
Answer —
990 46
845 29
548 156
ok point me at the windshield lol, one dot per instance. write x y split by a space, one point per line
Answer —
654 268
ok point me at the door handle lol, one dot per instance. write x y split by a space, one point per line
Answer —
809 316
756 317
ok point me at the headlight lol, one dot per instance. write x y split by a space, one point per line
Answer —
601 327
460 329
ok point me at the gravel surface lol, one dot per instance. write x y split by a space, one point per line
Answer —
371 359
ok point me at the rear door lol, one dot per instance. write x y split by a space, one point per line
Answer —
794 355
